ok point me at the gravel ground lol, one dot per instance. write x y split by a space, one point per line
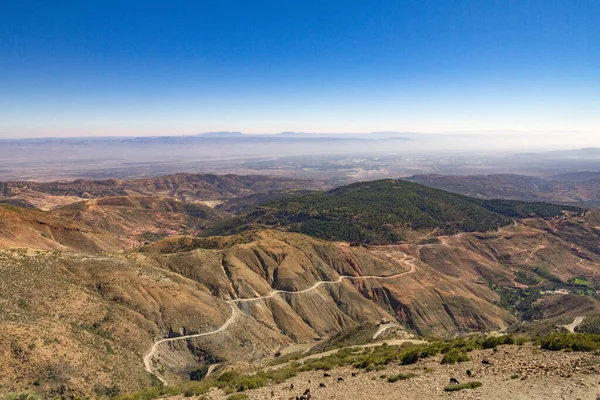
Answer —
515 373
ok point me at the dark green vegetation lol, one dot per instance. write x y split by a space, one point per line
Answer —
524 302
575 342
244 204
589 325
520 301
400 377
30 395
383 211
462 386
454 356
238 396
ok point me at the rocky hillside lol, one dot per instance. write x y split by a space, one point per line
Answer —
104 224
91 290
584 191
186 187
66 316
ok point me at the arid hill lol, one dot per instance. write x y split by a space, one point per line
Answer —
185 187
561 189
104 224
89 290
68 316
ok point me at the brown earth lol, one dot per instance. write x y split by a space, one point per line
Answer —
185 187
515 373
72 321
584 192
105 224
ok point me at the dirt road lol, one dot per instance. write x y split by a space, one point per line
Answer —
235 310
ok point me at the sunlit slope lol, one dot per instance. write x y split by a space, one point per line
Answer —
386 211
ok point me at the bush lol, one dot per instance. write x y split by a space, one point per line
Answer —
400 377
589 325
491 342
21 396
573 341
454 356
238 396
198 374
461 386
409 357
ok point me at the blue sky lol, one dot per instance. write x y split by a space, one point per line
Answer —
89 68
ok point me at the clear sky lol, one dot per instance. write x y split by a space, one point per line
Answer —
89 68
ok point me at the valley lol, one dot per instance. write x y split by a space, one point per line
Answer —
125 291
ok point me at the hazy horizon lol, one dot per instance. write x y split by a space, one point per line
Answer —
147 69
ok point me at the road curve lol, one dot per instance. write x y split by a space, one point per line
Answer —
571 327
235 311
148 357
316 285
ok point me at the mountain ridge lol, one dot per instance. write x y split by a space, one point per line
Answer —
384 212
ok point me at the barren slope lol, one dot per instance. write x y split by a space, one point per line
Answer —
187 187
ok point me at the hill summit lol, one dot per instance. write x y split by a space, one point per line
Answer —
386 211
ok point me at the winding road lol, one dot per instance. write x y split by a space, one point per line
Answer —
235 311
571 327
532 253
148 357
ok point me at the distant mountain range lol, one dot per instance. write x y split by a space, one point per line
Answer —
575 188
185 187
305 135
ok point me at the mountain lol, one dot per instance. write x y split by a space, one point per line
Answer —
385 211
185 187
577 177
245 204
564 189
91 290
104 224
221 134
73 322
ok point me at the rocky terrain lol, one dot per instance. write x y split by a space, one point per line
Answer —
515 372
574 189
186 187
90 290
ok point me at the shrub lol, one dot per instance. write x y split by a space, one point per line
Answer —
454 356
238 396
491 342
461 386
21 396
521 340
589 325
198 374
409 357
573 341
281 375
248 382
400 377
108 391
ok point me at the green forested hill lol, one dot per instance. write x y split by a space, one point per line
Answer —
381 211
